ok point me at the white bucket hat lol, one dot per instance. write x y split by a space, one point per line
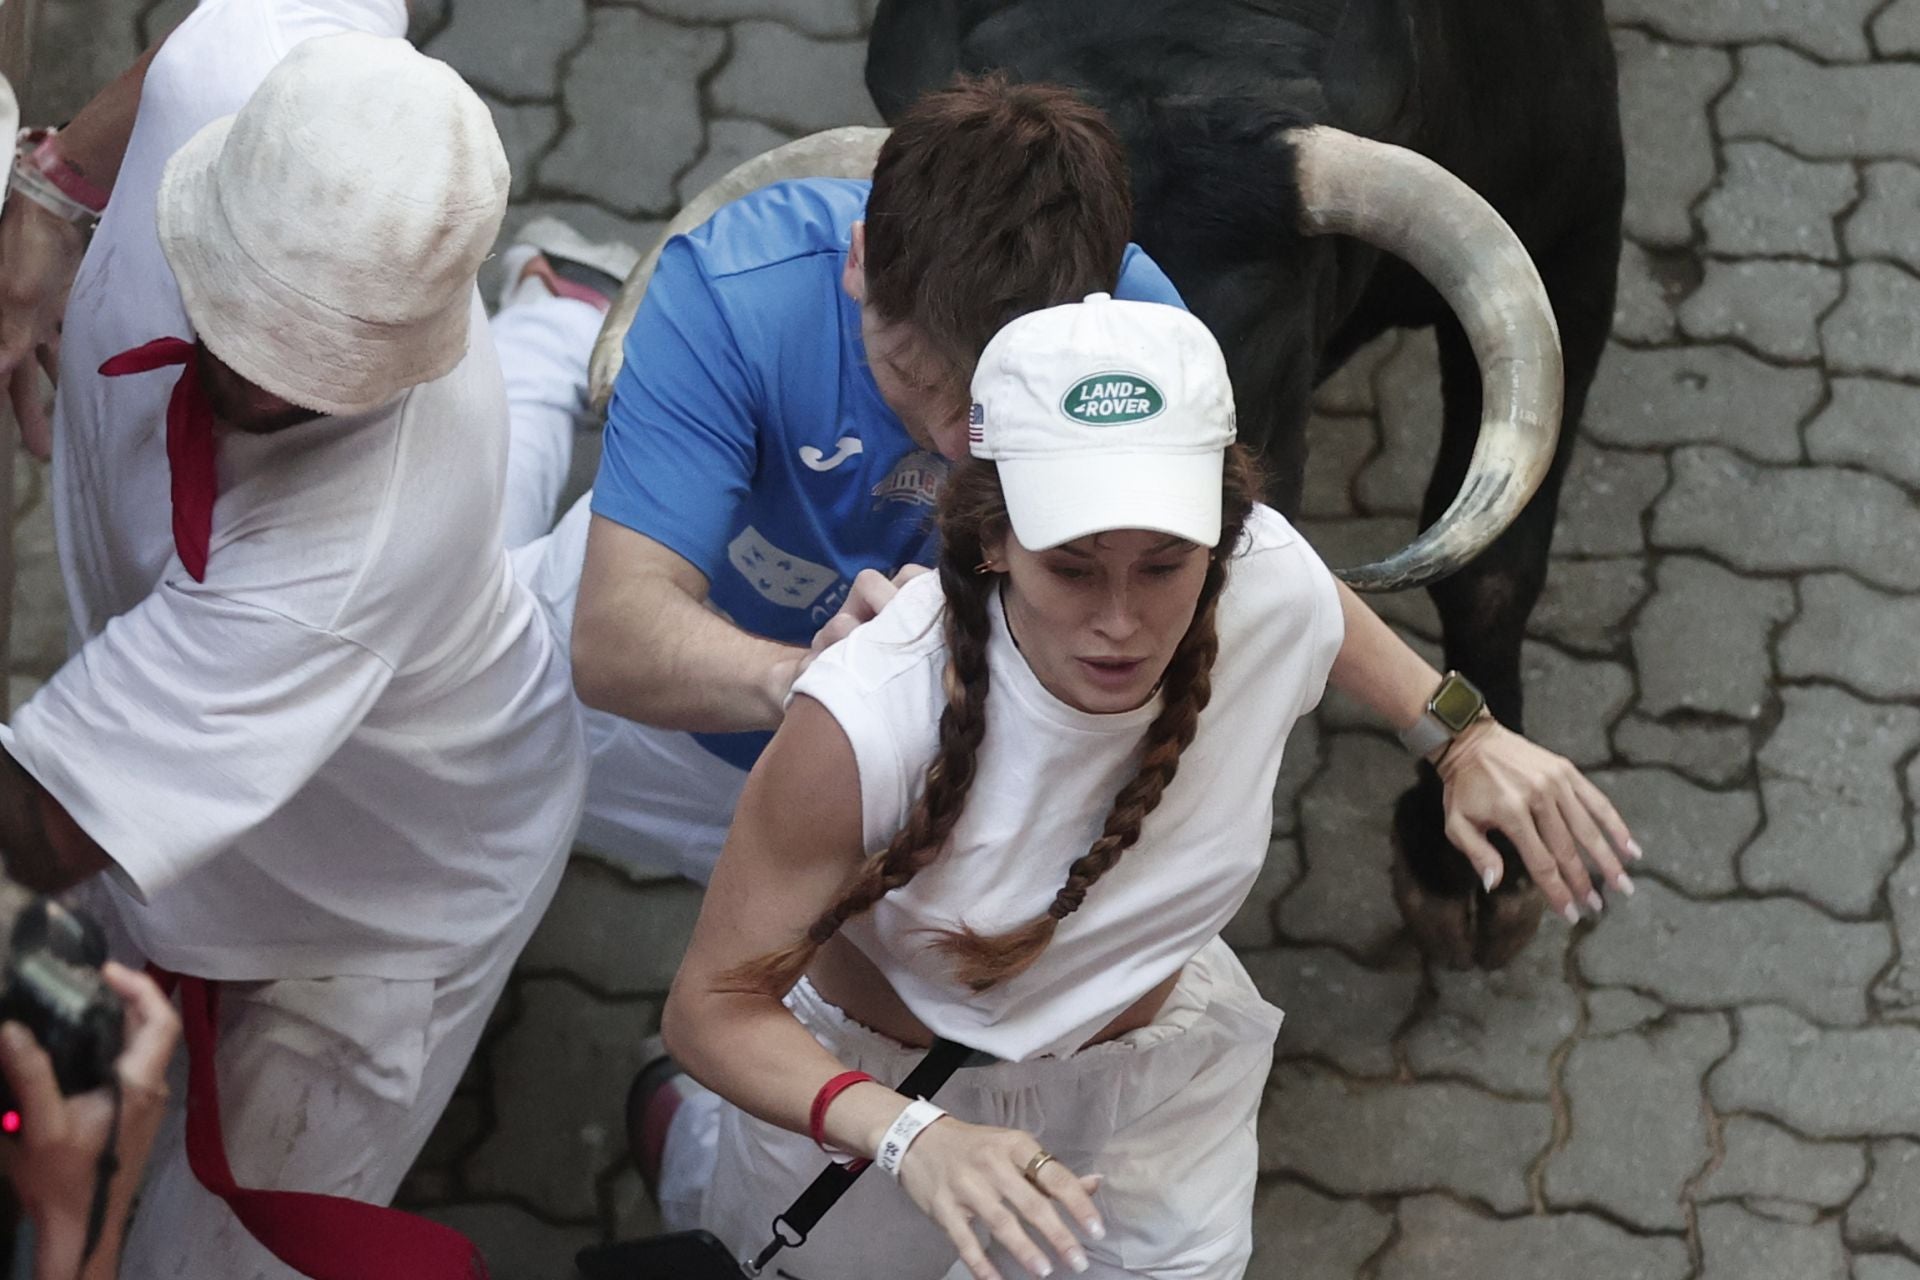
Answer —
325 238
1105 415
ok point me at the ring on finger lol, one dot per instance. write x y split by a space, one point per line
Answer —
1035 1163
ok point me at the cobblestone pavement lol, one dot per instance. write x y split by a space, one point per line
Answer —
1720 1077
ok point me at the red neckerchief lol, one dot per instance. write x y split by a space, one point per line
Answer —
190 445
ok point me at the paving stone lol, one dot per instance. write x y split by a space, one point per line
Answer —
793 82
1735 953
1585 604
78 47
1717 755
1255 925
1887 222
1884 1266
1604 501
619 936
460 1129
1882 1216
1716 394
1337 448
1691 835
729 143
1441 1240
1500 1029
516 1245
1611 1010
1347 543
1868 332
1829 783
1349 389
813 17
1643 302
525 133
1665 90
565 1044
1571 701
1738 1245
1823 112
1869 423
1337 1011
1855 1083
1346 896
1898 994
1835 29
1896 29
513 47
1771 306
1299 1234
1639 1124
1367 1139
1701 644
1772 204
622 148
635 1216
1854 635
1763 1160
1408 386
1789 520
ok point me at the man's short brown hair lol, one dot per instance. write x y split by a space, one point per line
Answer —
992 199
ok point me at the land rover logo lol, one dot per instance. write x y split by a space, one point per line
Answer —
1110 399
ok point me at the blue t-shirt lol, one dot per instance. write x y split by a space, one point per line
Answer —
746 432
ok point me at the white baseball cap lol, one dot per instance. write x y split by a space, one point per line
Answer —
325 238
1105 415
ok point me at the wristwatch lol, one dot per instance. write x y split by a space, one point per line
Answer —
1453 706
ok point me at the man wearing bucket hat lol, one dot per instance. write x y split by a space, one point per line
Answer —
1014 812
330 757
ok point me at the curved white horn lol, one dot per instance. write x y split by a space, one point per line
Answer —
836 153
1403 203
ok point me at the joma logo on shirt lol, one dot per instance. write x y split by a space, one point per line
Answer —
1110 399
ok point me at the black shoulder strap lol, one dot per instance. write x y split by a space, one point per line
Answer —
790 1229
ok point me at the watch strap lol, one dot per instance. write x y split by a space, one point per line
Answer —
1426 735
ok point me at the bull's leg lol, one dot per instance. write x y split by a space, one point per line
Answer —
1483 614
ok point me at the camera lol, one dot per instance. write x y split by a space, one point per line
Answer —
52 986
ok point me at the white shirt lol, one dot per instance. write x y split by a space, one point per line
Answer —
1046 777
354 748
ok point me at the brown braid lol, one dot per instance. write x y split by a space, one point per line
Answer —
972 513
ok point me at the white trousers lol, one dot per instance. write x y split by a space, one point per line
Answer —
329 1085
1166 1113
658 803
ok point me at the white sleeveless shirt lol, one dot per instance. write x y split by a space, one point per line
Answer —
1046 778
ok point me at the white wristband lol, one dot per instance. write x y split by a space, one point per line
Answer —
893 1147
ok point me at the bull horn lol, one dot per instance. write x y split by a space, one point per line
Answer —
835 153
1404 204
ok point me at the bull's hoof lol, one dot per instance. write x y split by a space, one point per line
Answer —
1472 930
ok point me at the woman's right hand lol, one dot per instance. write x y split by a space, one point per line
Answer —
959 1173
39 255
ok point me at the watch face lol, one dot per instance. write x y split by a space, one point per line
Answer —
1456 703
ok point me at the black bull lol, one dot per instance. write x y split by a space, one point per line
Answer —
1516 97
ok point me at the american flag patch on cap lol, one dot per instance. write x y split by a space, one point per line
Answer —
977 424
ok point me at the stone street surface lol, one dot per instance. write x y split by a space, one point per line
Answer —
1718 1078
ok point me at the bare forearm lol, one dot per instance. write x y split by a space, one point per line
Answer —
1377 669
95 140
43 860
675 663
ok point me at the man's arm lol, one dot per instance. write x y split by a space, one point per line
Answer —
44 849
647 647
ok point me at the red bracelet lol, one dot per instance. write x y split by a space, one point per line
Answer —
817 1118
55 168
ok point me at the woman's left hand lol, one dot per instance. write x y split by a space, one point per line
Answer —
1496 780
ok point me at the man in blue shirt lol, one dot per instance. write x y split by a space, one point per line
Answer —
794 382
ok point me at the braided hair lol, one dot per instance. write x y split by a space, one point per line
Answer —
973 513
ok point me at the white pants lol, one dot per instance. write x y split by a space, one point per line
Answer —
658 803
1166 1113
329 1085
